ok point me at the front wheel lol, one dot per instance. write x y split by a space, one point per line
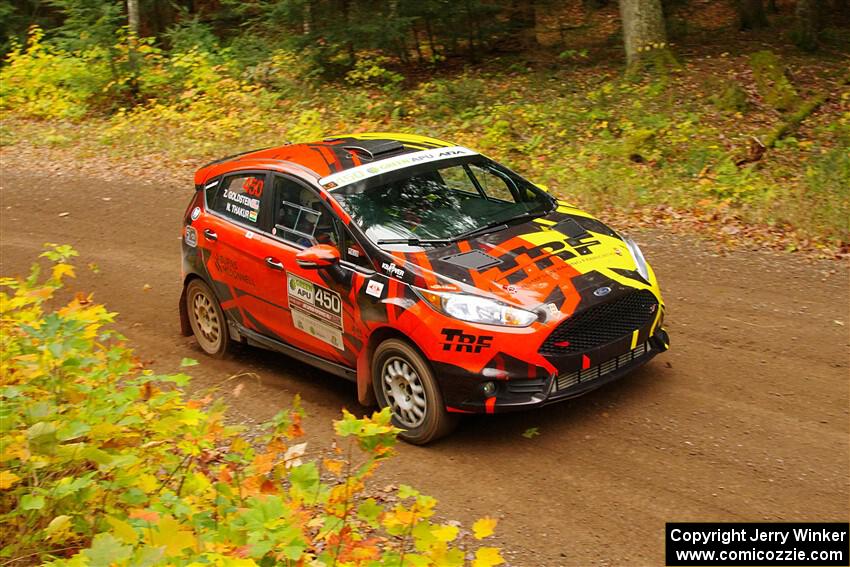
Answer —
404 382
207 319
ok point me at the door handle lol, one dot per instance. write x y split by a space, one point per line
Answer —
274 264
210 234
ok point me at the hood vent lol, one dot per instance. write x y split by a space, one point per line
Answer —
472 260
572 229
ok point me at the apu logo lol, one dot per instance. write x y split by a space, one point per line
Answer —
459 341
393 270
602 291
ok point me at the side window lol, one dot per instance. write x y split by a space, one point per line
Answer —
300 215
456 177
238 197
495 186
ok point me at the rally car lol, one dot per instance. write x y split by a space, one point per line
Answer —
438 280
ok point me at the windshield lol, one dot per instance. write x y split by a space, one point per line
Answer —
441 201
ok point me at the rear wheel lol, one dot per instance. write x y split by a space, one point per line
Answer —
404 382
207 319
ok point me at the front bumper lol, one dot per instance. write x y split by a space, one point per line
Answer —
540 390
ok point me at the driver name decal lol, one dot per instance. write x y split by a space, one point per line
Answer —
316 310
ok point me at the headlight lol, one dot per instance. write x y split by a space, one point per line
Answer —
637 256
476 309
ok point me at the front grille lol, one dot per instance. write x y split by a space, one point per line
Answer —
601 324
582 376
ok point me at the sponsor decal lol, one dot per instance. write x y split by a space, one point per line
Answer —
252 216
552 310
316 310
458 341
353 252
317 329
392 269
444 287
230 267
374 288
362 172
196 212
191 236
602 291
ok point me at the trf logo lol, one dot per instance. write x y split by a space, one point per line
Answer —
459 341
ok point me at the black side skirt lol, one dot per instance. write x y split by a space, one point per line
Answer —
255 339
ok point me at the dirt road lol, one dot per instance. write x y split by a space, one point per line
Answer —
745 418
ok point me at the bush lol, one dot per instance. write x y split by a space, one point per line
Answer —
105 463
47 82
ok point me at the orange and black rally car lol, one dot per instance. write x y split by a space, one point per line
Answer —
438 280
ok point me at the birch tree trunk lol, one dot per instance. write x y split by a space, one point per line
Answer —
133 16
644 35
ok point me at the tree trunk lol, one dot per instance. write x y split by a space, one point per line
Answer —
133 15
807 25
751 14
644 34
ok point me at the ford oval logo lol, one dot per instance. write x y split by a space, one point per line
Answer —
602 291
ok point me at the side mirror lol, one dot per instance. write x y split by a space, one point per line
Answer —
317 257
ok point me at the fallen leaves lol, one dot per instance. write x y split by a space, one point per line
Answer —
484 527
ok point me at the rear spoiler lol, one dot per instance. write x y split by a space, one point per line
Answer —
234 156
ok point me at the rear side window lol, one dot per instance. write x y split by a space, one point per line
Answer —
238 197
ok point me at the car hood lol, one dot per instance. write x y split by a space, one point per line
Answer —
554 262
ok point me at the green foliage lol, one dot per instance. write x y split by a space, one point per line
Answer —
773 84
105 463
48 82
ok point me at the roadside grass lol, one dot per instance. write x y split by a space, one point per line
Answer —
668 151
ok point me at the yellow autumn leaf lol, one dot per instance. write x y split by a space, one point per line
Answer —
59 529
487 557
123 531
444 533
171 535
8 479
484 527
60 270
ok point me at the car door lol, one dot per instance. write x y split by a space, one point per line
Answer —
319 304
231 236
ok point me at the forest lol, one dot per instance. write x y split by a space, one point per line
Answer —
726 117
724 122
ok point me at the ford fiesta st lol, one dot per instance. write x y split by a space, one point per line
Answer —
438 280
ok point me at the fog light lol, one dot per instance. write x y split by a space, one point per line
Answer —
489 388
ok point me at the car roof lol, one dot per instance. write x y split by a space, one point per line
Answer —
323 158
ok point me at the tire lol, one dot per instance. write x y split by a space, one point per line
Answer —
403 380
207 319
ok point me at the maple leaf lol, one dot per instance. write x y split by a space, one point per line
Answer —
8 479
484 527
60 270
487 557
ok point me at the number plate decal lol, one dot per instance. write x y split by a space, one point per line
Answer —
316 310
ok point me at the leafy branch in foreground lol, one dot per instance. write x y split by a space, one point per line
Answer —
105 463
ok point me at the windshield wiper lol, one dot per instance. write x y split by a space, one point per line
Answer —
416 241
